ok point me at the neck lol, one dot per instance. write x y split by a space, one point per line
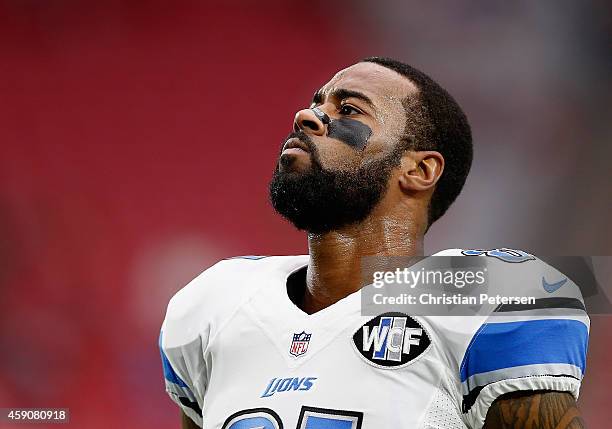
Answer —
335 268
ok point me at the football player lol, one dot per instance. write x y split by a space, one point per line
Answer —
281 341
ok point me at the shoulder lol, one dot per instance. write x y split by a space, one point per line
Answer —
519 270
218 291
517 286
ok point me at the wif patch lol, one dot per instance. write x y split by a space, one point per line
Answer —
391 340
299 345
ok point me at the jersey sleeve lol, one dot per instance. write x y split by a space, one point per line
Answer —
183 344
539 345
195 316
181 365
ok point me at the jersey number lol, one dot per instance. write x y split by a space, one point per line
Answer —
503 254
310 418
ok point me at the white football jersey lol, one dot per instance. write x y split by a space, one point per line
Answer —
237 353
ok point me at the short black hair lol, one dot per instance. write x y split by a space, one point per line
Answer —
435 122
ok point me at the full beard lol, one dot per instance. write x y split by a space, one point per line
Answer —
321 200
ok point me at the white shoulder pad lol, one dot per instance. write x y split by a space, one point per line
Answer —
213 296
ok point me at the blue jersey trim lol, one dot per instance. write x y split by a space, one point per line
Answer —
505 345
169 373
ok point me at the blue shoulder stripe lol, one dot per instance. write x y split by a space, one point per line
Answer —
506 345
169 373
251 257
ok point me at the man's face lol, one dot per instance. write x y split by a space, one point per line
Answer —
332 171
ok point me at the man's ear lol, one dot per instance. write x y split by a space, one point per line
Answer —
420 170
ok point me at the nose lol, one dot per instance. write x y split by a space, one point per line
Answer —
308 121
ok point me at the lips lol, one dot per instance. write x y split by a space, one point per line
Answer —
295 143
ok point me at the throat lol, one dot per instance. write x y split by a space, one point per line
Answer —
310 293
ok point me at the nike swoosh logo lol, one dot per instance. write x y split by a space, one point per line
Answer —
551 287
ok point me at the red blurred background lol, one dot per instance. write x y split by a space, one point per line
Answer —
138 138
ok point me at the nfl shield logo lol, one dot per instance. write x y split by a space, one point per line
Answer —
299 345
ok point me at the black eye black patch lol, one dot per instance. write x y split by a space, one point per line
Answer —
350 131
